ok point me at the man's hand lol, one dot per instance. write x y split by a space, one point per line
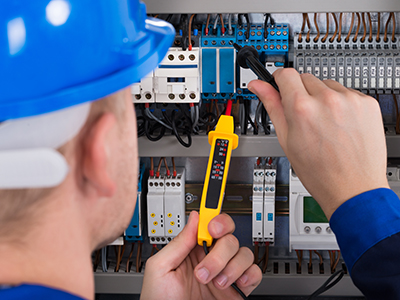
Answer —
181 270
333 136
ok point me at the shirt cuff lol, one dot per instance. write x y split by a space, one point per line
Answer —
365 220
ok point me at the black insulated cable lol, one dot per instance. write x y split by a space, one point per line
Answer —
176 133
247 33
267 16
328 284
234 285
184 27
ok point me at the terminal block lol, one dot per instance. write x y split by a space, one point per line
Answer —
177 78
155 210
174 204
371 67
308 226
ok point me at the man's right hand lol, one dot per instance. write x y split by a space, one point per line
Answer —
333 136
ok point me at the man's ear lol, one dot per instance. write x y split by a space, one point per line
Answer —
96 156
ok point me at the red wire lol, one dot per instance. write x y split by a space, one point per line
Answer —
228 108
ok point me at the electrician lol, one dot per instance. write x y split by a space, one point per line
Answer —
69 158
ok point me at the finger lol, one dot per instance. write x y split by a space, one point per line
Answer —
273 104
221 225
173 254
225 248
250 279
235 268
313 85
290 85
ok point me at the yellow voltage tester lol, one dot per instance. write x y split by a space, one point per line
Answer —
222 141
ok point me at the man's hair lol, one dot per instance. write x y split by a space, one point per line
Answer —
19 206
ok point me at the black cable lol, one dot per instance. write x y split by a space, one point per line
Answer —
240 21
168 19
247 33
184 26
266 26
149 131
327 284
140 126
175 131
233 284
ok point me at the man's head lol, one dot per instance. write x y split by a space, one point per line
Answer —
102 181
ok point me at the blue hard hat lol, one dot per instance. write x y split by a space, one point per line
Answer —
59 53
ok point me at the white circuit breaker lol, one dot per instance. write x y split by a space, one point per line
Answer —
258 204
177 78
308 227
166 206
143 91
263 207
155 210
269 203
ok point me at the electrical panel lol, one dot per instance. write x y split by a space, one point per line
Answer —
166 206
308 226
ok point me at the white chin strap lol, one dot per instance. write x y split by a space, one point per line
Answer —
28 158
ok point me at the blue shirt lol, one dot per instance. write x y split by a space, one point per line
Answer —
35 292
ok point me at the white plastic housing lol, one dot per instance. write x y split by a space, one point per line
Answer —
269 204
306 236
258 204
174 204
155 210
182 65
143 91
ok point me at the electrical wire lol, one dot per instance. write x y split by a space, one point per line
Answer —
327 29
336 261
364 27
104 259
370 27
214 32
350 28
149 132
391 17
299 254
129 258
222 25
305 20
166 167
358 27
267 16
233 284
339 39
159 167
394 27
310 262
139 257
378 32
169 17
190 31
266 257
173 167
230 30
247 33
328 284
207 23
150 115
316 27
184 26
175 131
336 28
321 261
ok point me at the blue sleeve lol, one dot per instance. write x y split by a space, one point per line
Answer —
367 228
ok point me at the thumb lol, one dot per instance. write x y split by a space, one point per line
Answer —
273 104
173 254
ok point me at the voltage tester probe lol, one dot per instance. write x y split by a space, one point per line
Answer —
223 140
